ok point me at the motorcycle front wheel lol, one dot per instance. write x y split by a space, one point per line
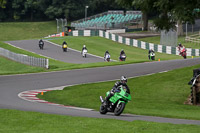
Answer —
103 109
119 109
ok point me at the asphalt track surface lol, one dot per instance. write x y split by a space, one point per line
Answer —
11 86
55 52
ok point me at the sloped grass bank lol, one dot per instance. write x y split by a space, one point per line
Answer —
161 94
98 46
26 30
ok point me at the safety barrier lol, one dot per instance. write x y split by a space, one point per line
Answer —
134 42
29 60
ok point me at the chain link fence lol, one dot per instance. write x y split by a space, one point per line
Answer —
168 38
29 60
192 32
61 23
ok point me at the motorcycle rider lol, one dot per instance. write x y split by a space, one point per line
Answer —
84 48
106 54
64 43
122 52
122 82
41 43
180 46
182 50
150 51
122 55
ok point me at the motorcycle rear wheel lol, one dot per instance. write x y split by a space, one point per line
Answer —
118 110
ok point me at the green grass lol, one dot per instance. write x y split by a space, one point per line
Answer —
181 39
95 45
26 30
98 46
32 122
161 94
9 67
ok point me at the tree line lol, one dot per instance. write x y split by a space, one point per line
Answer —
166 12
36 10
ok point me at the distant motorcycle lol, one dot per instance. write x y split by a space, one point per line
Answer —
183 53
122 57
107 58
41 45
64 48
84 53
152 56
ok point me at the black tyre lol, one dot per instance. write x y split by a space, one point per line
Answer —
118 110
103 109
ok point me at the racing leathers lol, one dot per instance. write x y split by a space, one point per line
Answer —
114 89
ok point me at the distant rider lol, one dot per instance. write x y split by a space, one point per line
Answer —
84 48
150 51
122 52
64 46
180 47
182 50
64 43
41 43
106 54
122 82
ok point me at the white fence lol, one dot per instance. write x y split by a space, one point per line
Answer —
29 60
193 38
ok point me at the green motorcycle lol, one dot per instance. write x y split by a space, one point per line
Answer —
116 103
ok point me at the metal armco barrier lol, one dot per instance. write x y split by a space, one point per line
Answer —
29 60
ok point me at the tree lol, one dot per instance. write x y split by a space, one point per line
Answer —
168 12
144 5
30 7
2 3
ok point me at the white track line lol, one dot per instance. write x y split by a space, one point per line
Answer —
30 51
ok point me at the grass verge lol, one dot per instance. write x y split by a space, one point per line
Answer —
161 94
9 67
21 122
26 30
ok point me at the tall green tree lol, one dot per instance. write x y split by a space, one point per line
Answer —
2 3
31 8
169 12
144 5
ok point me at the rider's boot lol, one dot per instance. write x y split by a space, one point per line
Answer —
107 99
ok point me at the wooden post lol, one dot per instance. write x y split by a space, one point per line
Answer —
194 95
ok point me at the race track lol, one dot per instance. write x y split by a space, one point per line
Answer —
55 52
12 85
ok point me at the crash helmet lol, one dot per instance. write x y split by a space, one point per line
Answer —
123 79
64 42
84 46
180 44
